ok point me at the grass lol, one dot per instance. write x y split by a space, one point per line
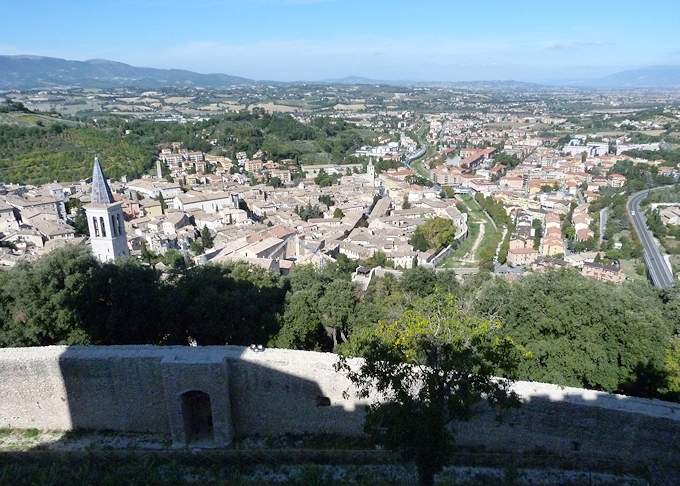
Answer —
291 468
489 243
31 433
456 256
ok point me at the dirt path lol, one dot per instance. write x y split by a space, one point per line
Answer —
470 256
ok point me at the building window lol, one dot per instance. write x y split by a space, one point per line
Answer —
119 224
103 225
95 225
113 226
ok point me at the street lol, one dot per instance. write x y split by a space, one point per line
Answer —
661 275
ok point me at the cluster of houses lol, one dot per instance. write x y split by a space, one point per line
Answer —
34 221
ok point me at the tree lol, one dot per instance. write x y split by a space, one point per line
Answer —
197 247
174 259
338 213
327 199
537 226
80 223
147 255
308 211
422 282
405 204
225 304
418 241
325 180
436 233
161 200
336 307
275 182
429 368
672 364
583 333
206 238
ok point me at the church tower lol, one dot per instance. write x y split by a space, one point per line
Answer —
105 219
370 168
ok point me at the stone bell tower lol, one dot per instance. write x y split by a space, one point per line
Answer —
105 219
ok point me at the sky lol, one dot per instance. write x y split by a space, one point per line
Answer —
288 40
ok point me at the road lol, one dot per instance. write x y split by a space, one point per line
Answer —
604 213
415 155
661 275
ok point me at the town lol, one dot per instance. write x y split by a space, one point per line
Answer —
503 188
322 242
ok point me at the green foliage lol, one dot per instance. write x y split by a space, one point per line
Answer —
384 165
505 246
671 157
39 155
550 187
206 238
435 233
434 365
325 180
319 310
538 232
197 247
174 259
308 212
509 161
419 181
80 223
9 106
494 208
423 282
235 304
672 367
161 200
327 199
338 213
582 333
639 176
419 242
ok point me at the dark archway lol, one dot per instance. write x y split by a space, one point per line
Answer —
198 420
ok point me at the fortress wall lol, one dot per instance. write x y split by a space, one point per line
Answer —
32 393
139 388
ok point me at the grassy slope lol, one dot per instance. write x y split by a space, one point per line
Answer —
489 242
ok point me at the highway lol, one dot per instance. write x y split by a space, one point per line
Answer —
661 275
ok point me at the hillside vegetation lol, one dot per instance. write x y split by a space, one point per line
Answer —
41 154
580 332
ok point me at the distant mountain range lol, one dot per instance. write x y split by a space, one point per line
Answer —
650 77
28 72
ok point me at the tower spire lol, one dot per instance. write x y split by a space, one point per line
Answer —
101 192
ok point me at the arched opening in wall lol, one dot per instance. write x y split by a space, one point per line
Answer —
198 421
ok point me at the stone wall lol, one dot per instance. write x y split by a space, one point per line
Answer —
273 392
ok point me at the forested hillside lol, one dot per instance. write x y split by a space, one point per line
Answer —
64 153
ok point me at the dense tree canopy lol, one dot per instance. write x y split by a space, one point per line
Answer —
435 233
581 332
64 152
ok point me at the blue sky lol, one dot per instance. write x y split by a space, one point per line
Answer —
320 39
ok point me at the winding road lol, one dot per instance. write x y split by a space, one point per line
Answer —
659 272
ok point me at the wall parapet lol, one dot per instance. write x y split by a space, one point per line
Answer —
277 391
